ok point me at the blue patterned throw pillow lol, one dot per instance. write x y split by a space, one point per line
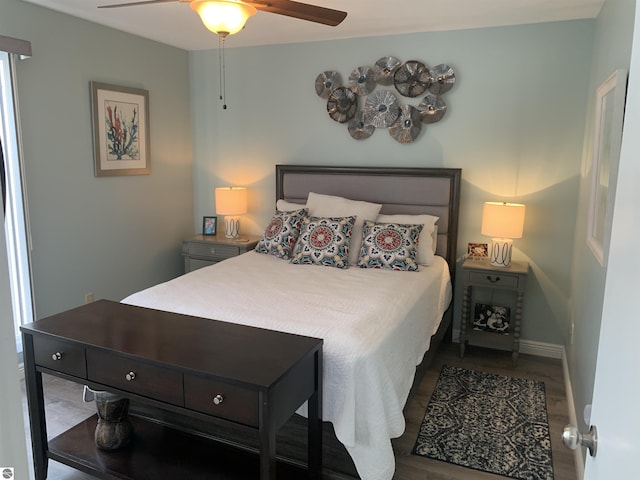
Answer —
281 234
391 246
324 241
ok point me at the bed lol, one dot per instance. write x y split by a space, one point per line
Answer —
371 348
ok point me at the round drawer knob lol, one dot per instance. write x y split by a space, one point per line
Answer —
130 376
213 250
57 356
218 399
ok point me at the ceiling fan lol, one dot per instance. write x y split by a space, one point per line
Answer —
226 17
236 12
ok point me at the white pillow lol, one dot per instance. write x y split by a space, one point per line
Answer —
284 206
320 205
426 243
434 239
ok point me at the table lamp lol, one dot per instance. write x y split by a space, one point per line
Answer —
503 222
231 202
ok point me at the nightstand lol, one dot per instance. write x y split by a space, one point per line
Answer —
204 250
480 275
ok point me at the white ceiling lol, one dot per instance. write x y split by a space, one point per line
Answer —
176 24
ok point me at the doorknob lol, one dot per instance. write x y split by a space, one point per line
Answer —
571 438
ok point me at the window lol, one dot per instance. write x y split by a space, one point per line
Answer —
15 222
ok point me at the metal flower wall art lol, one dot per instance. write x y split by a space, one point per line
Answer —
363 108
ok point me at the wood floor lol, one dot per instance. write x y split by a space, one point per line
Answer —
65 408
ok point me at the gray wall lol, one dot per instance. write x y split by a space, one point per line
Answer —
109 236
612 51
515 126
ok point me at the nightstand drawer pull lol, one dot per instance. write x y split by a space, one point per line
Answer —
57 356
213 250
493 279
130 376
218 399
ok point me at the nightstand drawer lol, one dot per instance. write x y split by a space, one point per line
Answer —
60 356
151 381
213 252
496 280
234 403
204 250
196 263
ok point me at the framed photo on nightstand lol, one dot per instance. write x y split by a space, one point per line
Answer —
209 225
477 250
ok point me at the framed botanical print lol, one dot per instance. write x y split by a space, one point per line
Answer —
120 118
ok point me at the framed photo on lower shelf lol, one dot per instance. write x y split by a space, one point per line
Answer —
491 318
209 225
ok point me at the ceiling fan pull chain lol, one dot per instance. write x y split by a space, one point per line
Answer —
220 65
223 74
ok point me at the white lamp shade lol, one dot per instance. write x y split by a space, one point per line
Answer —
231 201
224 17
503 220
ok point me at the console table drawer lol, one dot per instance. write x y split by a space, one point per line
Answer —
494 280
236 403
151 381
60 356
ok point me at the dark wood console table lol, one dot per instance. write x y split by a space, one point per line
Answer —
187 365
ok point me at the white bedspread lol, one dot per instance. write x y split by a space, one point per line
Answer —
376 327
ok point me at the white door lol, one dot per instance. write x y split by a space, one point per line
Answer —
617 381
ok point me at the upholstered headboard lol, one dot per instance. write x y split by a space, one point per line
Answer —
435 191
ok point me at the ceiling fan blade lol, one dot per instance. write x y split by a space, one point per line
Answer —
131 4
303 11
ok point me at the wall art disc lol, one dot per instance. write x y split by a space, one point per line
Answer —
442 79
432 109
326 82
342 104
408 125
381 109
385 68
362 81
412 78
358 128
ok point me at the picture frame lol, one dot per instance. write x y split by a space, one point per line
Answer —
609 116
209 225
120 122
491 318
477 250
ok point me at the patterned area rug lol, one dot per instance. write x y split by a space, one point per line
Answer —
488 422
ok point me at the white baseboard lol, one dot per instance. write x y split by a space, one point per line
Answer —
550 350
573 417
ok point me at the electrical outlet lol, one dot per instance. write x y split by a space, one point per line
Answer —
571 329
88 297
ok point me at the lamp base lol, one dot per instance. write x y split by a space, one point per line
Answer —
501 252
231 227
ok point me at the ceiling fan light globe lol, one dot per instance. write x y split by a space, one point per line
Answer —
223 16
